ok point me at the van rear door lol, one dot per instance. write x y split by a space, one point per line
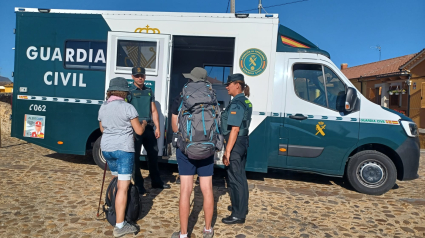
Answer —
151 51
321 134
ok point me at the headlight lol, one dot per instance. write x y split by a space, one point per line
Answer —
410 128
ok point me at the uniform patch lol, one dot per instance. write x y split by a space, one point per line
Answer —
234 113
253 62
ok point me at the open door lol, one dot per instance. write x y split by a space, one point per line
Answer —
151 51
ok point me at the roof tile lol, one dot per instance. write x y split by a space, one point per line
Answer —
377 68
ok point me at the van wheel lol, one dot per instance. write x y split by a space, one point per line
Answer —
97 154
371 172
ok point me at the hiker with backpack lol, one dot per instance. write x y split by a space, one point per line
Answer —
195 123
117 120
235 121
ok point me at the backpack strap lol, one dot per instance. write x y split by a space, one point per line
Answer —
110 186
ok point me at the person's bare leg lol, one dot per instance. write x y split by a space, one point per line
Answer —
121 200
186 186
207 192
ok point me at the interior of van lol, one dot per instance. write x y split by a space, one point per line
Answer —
215 54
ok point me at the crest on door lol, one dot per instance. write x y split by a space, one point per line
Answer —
320 128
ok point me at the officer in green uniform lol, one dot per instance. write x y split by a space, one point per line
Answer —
235 121
143 99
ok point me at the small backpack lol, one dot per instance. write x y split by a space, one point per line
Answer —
199 121
133 210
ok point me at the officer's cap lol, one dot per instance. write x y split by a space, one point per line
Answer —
234 77
138 70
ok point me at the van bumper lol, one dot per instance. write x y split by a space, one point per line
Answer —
410 153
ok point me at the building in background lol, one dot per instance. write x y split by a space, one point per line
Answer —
8 88
4 85
386 83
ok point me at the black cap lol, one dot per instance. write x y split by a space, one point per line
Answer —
138 70
235 77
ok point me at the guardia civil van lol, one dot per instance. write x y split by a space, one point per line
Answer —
307 115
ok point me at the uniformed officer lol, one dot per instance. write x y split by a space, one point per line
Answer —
235 121
143 99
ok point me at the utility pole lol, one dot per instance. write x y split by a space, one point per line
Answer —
232 6
259 7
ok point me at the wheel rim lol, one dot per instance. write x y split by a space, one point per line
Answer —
372 173
101 156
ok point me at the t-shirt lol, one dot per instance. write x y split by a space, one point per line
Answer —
175 105
117 130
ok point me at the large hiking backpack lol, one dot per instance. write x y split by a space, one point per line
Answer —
199 121
133 211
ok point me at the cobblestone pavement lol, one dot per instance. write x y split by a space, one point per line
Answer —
45 194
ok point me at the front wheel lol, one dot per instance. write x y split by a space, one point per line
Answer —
97 154
371 172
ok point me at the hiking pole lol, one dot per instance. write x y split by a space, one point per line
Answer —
101 190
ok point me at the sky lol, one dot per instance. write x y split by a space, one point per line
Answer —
349 30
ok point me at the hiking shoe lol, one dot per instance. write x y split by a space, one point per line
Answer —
208 234
126 229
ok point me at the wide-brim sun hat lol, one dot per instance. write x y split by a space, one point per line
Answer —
118 84
197 74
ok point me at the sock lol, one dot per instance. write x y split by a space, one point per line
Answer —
208 230
183 235
120 225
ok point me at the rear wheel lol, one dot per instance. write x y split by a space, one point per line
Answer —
97 154
371 172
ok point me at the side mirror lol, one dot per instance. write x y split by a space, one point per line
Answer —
350 99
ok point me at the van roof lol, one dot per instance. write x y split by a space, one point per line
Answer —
290 41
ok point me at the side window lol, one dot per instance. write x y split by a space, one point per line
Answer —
335 90
87 55
309 85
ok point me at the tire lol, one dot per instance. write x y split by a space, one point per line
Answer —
97 154
371 172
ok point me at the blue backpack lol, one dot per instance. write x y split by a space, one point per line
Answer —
199 134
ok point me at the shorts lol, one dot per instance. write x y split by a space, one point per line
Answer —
120 163
203 168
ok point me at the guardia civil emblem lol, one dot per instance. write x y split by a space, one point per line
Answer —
253 62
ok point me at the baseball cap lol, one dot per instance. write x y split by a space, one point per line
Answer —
138 70
197 74
234 77
38 123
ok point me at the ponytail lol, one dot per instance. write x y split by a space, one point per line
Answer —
246 90
244 87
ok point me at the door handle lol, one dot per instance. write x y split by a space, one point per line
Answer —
298 117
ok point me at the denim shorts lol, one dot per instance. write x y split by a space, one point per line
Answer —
120 163
203 168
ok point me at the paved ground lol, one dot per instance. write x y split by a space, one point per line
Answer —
45 194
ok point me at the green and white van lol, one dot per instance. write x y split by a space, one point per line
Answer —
307 115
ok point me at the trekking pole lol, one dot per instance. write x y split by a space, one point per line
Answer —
101 190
